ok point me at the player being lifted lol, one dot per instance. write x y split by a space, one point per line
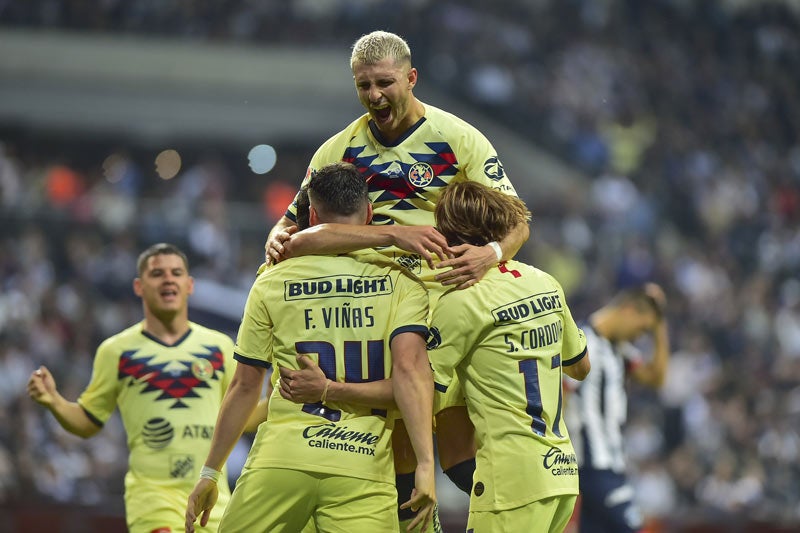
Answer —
508 339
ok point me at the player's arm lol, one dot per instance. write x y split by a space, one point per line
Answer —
412 382
237 406
653 372
579 367
258 415
471 263
331 239
42 389
280 233
309 384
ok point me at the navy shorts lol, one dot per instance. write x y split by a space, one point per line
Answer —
606 503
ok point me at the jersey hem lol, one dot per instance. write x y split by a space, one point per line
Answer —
321 470
524 501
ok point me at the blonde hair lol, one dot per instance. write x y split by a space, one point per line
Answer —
472 213
373 47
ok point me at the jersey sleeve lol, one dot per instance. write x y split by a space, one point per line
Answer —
411 307
453 334
482 164
574 345
254 342
99 399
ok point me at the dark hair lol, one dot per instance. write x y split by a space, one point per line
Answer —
338 189
472 213
637 296
302 205
161 248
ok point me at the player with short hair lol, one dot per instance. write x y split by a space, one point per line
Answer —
597 408
408 151
167 375
363 319
508 339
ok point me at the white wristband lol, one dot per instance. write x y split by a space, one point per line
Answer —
497 250
209 473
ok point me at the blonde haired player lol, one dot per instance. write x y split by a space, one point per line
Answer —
508 339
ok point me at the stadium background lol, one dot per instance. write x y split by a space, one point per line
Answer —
652 140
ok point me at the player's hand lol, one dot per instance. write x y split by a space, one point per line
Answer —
274 250
305 385
423 240
201 500
42 387
423 497
468 266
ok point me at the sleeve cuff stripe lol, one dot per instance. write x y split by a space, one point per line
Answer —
414 328
439 387
93 418
252 362
571 361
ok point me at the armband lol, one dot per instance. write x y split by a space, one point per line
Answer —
497 250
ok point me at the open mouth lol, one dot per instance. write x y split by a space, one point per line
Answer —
169 294
382 114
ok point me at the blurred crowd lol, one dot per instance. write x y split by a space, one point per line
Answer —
682 115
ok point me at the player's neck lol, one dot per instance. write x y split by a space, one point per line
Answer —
168 329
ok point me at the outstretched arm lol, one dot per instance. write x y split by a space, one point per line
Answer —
42 389
237 406
412 381
473 262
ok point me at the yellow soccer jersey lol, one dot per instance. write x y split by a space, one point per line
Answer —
506 338
343 312
168 397
406 177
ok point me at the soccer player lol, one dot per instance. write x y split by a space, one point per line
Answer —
508 339
408 151
597 409
362 318
168 376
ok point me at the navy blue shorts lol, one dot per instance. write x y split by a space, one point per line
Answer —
606 503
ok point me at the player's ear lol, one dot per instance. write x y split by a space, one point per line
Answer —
313 216
412 77
137 287
369 213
